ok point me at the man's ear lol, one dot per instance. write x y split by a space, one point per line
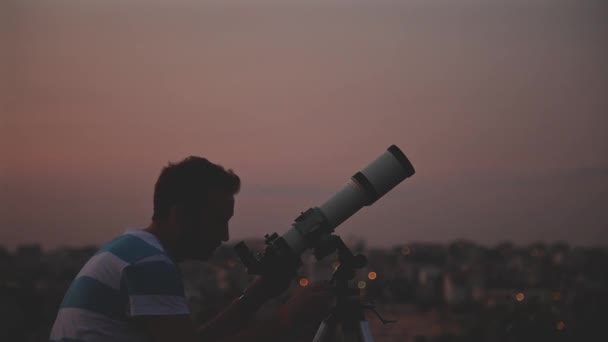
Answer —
181 216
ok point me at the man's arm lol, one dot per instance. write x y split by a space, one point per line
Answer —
234 317
229 325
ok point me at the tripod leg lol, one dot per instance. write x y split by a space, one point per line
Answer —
365 334
357 331
324 330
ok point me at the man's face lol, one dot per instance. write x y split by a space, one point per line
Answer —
199 239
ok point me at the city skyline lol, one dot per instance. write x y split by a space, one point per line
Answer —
500 107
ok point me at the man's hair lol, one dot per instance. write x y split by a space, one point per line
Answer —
188 182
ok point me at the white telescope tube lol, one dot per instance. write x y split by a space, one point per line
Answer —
367 186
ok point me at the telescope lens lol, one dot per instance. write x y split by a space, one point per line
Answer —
405 163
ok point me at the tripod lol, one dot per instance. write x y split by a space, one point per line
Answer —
347 321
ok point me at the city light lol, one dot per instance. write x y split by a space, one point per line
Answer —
303 282
520 297
560 325
372 275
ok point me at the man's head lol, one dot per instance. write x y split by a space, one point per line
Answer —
193 201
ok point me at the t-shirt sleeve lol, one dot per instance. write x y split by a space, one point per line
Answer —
154 288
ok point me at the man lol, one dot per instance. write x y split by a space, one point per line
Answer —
131 290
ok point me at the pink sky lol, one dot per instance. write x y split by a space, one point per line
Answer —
500 105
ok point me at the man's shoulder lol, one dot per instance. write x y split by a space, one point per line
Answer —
133 247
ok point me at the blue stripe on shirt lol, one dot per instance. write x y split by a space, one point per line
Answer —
130 248
90 294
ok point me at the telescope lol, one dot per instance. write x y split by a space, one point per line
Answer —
313 229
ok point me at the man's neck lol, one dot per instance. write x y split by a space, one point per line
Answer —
162 233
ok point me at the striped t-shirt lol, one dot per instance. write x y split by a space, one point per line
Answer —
129 276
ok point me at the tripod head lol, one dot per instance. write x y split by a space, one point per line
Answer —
348 262
346 271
